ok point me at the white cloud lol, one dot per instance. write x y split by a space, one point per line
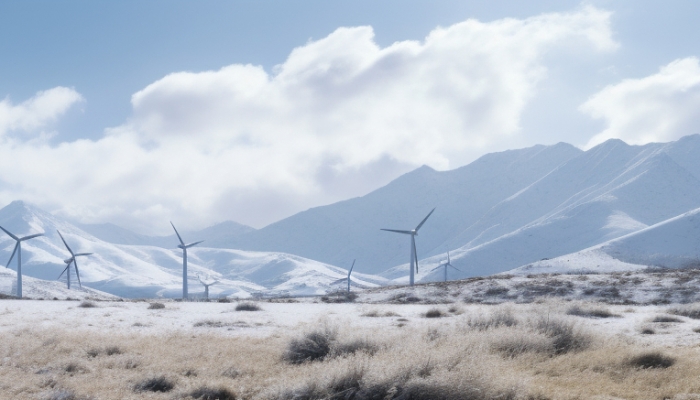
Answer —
254 146
658 108
37 112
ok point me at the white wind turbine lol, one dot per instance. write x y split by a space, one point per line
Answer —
206 286
414 253
70 261
184 248
445 265
18 250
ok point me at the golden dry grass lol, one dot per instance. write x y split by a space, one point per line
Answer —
41 363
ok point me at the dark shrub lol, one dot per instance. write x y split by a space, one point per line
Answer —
688 311
590 313
208 323
248 306
666 318
112 350
434 313
313 346
652 359
156 306
207 393
87 304
647 331
352 347
223 300
341 296
156 384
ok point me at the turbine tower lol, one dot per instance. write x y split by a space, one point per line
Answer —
447 264
350 272
206 286
184 248
70 261
18 250
414 255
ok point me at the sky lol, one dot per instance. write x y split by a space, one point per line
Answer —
142 112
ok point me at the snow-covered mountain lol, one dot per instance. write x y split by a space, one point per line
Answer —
604 193
150 271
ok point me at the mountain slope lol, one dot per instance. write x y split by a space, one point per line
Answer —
149 271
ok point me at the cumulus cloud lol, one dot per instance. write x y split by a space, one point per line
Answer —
658 108
338 117
42 109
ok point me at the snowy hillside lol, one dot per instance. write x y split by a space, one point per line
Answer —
149 271
669 244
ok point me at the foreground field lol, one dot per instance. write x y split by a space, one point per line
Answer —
549 349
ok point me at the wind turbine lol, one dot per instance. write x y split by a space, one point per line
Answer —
447 264
184 248
70 260
414 254
18 250
206 286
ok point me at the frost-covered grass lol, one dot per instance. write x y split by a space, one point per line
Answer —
307 350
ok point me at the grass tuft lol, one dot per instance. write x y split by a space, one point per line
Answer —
503 317
564 335
686 311
155 384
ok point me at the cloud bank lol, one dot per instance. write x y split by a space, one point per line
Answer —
338 117
658 108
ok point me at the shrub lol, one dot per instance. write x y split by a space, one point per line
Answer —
223 300
341 296
231 372
687 311
647 331
652 359
248 306
155 384
513 346
87 304
590 313
666 318
312 346
156 306
434 313
207 393
112 350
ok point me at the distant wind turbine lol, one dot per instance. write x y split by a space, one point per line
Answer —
414 253
70 261
18 250
350 272
184 248
206 286
445 265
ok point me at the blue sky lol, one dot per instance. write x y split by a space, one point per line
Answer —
97 125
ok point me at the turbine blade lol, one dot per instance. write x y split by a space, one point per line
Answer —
437 268
11 235
77 272
13 254
351 267
448 258
31 237
455 267
82 254
193 244
177 233
64 242
343 280
397 231
425 219
415 254
64 271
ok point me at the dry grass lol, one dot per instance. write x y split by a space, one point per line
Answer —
538 354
